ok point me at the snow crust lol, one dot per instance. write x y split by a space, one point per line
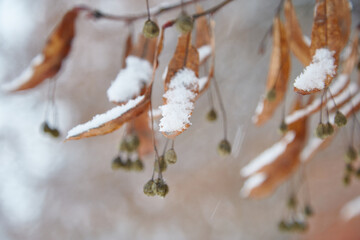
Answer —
351 209
101 119
251 183
258 110
315 74
26 75
313 144
130 80
268 156
179 101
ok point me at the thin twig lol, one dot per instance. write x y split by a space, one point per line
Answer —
212 10
222 107
155 11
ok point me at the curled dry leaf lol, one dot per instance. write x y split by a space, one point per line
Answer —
203 36
277 163
48 64
343 10
326 34
295 36
278 76
183 66
116 117
128 48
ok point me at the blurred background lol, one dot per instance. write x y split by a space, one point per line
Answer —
55 190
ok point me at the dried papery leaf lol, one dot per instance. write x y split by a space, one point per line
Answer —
105 124
48 64
351 61
181 88
145 48
278 76
185 56
140 126
325 35
203 36
277 163
343 10
295 36
128 48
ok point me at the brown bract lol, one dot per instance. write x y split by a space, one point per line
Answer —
185 56
128 48
295 36
55 51
284 165
203 35
142 107
278 75
327 32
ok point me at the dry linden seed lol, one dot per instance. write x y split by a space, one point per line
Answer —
292 202
224 148
328 129
271 95
211 116
283 128
308 211
54 132
320 131
184 23
350 155
137 165
357 173
170 156
347 179
150 29
161 187
340 119
283 226
45 127
117 163
149 188
133 143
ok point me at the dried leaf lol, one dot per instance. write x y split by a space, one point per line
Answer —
343 10
326 33
145 48
55 51
278 169
295 35
278 76
185 57
128 49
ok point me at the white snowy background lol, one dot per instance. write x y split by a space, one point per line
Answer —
55 190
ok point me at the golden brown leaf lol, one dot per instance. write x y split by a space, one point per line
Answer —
55 51
326 33
295 35
286 163
128 49
278 76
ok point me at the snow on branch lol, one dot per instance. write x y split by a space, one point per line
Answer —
179 105
130 80
251 183
314 75
351 209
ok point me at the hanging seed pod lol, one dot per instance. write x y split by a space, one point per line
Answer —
300 226
184 23
137 165
320 131
150 29
117 163
347 179
224 148
45 127
124 146
308 210
211 116
292 202
271 95
163 166
350 155
340 119
283 226
357 173
149 188
133 143
328 129
161 187
283 128
54 132
349 168
170 156
128 164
